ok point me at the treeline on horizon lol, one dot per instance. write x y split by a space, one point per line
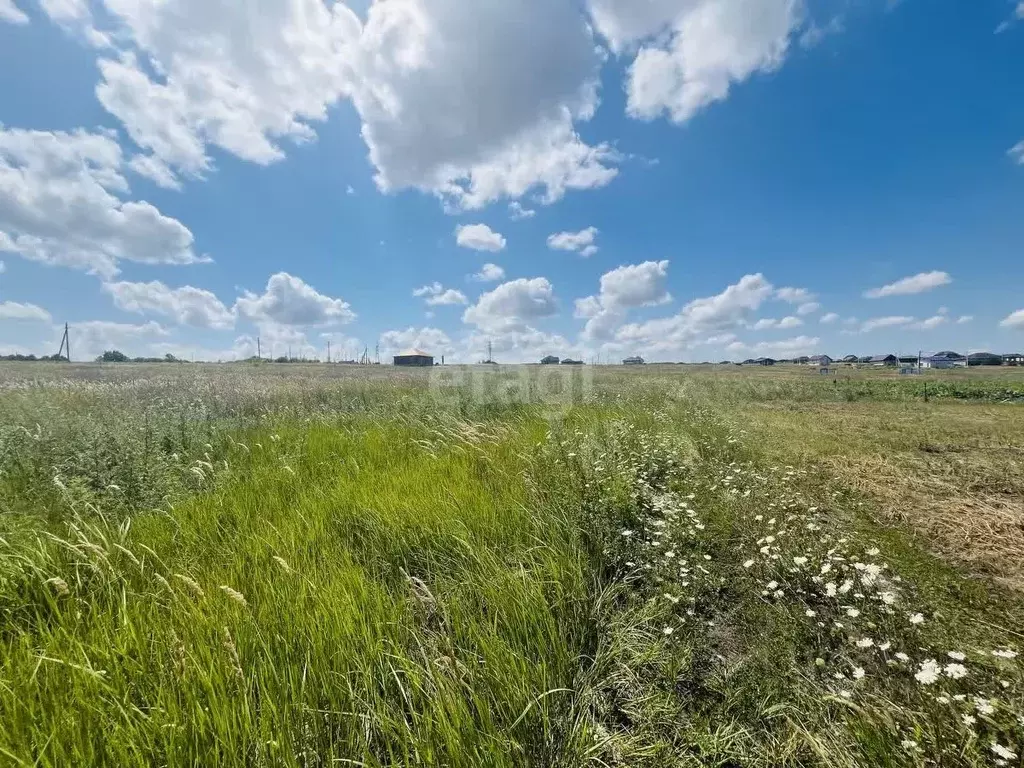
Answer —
116 356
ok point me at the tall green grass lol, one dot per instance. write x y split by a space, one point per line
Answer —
346 594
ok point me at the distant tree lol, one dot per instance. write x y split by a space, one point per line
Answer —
112 356
169 358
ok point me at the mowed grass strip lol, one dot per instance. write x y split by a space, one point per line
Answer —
366 595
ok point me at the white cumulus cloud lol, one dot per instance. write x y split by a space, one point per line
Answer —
10 13
289 301
929 323
885 322
62 202
489 273
517 212
693 51
479 237
919 283
12 310
622 289
766 323
435 294
831 317
700 319
1017 152
186 305
513 305
231 75
1013 320
581 242
794 295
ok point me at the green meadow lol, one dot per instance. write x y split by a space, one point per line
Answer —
670 566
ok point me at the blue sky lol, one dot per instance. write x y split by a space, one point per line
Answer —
683 179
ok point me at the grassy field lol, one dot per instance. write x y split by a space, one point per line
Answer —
673 566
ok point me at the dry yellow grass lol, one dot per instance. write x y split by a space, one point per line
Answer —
952 472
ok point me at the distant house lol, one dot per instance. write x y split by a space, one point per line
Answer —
1014 358
549 360
880 360
635 360
725 362
749 361
851 359
570 361
765 361
802 360
984 358
908 359
414 357
865 359
945 359
820 360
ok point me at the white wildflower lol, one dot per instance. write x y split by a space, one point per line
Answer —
916 618
772 585
956 655
902 656
865 642
955 671
928 673
853 613
858 673
809 613
748 564
1004 654
667 631
984 706
799 560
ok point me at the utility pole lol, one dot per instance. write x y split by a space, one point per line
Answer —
490 358
289 353
259 351
376 350
65 344
328 350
